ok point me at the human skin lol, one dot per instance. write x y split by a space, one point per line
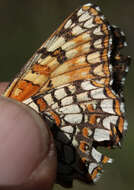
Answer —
27 152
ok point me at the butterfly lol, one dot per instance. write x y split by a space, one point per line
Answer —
75 80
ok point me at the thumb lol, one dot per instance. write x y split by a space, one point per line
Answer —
27 153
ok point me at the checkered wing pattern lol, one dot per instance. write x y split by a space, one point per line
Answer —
75 80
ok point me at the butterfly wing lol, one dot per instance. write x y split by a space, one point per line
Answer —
71 81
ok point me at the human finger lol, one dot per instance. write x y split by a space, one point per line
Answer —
27 158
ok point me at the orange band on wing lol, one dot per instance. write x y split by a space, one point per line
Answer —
117 107
41 69
121 124
110 93
55 117
92 120
41 104
24 90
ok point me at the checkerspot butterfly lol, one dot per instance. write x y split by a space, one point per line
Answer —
75 80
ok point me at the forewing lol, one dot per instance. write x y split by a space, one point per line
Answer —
77 50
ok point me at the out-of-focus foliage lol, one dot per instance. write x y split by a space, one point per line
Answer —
25 24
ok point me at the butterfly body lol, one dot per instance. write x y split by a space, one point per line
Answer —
75 80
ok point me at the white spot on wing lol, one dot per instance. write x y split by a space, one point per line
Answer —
34 106
88 5
110 68
98 70
101 135
83 97
94 57
66 101
73 118
89 23
89 132
125 125
51 41
28 101
102 17
86 47
60 93
70 109
68 45
98 93
57 43
80 12
67 129
122 33
97 177
125 44
92 166
77 30
110 120
68 24
72 89
107 106
98 43
84 17
98 120
96 155
48 98
98 8
85 118
74 142
71 53
68 136
97 31
110 161
54 106
122 107
86 85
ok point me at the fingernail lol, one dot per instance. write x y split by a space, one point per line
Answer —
24 141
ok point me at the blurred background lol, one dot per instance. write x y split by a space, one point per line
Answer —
26 24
